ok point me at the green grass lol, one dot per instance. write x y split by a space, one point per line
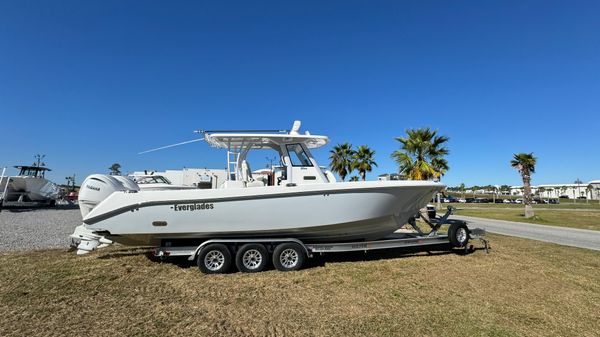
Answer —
591 205
582 219
522 288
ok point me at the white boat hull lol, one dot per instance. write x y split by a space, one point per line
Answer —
313 213
30 189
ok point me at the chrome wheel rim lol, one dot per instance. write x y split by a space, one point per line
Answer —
461 235
288 258
214 260
252 259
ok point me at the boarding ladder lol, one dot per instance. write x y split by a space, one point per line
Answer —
232 164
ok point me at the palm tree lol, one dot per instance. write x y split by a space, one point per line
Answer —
421 156
588 190
550 193
540 192
363 160
115 169
341 159
525 164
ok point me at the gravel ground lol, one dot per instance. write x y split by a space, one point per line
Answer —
37 229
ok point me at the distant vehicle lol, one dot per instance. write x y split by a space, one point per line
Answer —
564 197
519 201
462 200
507 201
469 200
480 201
499 201
449 199
554 201
582 198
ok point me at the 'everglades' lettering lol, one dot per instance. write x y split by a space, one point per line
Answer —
193 207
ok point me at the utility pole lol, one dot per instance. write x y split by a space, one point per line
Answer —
578 182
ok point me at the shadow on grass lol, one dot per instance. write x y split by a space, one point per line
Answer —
126 252
386 254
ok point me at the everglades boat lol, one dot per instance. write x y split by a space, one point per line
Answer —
295 199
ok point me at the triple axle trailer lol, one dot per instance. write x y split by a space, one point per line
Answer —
217 256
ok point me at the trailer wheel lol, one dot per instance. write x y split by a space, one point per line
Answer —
214 259
251 258
288 256
458 234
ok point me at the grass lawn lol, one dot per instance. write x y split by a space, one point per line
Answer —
563 205
522 288
565 218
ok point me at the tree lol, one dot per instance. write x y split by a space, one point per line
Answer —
550 193
115 169
363 161
525 164
541 191
563 190
462 189
341 158
421 156
589 190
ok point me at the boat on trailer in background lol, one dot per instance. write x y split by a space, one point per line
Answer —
29 188
295 209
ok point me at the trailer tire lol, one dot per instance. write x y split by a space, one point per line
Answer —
458 234
214 259
252 258
288 256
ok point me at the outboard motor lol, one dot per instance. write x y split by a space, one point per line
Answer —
94 189
98 187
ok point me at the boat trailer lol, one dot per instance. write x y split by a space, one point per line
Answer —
251 255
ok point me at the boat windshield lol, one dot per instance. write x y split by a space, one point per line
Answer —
152 180
297 155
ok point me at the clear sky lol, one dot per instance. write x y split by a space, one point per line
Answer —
90 83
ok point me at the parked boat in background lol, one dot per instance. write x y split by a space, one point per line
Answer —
29 188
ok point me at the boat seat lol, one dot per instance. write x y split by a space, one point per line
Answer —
247 176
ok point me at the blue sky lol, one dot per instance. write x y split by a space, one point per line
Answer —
92 83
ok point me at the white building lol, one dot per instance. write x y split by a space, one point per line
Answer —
390 176
589 190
